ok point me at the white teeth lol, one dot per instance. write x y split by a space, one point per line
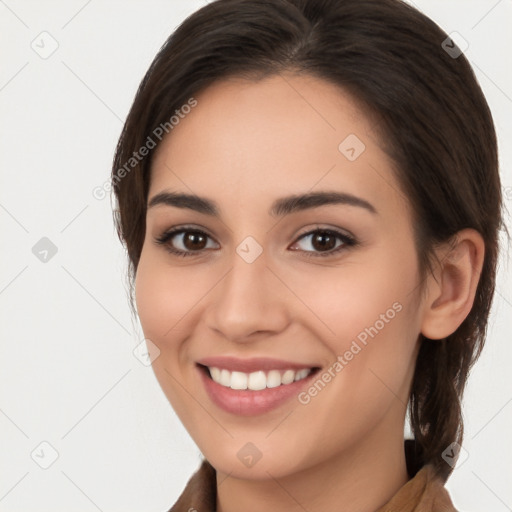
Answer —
288 377
238 380
256 380
225 378
215 374
301 374
273 379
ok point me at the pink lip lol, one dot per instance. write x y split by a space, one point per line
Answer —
248 402
234 364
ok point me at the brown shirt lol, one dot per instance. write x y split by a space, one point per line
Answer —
424 492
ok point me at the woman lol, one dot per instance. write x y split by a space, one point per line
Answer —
309 196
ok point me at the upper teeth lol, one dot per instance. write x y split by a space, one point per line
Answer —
256 380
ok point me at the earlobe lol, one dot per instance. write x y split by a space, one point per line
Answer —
452 287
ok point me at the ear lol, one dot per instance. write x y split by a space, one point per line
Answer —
451 288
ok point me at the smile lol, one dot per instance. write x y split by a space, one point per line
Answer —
248 387
257 380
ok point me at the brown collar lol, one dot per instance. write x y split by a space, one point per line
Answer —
424 492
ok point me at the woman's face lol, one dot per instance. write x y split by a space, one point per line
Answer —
295 275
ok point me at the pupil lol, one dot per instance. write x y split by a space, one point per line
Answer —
324 241
194 241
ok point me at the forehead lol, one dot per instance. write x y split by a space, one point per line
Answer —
257 140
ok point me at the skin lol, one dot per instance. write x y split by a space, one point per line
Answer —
243 146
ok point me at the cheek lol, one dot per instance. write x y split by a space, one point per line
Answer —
367 316
165 297
355 300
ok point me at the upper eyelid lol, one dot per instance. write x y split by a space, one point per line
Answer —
336 231
183 229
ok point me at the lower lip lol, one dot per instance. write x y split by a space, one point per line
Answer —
246 402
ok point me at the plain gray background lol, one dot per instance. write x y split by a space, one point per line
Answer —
73 396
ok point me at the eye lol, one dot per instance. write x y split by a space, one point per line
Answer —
323 242
192 241
186 241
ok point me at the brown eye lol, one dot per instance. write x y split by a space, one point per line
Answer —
194 241
323 241
186 242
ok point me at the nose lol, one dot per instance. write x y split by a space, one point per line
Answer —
248 302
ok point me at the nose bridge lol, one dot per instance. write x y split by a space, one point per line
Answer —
244 281
246 300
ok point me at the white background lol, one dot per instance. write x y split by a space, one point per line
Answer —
68 375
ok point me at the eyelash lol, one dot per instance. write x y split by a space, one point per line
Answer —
348 241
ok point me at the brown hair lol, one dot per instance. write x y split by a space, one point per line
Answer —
432 117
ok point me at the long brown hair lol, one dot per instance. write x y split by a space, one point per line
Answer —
431 115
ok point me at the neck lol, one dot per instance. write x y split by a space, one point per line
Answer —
361 479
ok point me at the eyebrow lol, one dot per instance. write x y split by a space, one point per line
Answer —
279 208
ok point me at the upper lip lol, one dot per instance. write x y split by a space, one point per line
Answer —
251 365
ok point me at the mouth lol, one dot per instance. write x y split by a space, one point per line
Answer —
255 386
258 380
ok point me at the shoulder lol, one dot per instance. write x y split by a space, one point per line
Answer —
424 492
200 493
